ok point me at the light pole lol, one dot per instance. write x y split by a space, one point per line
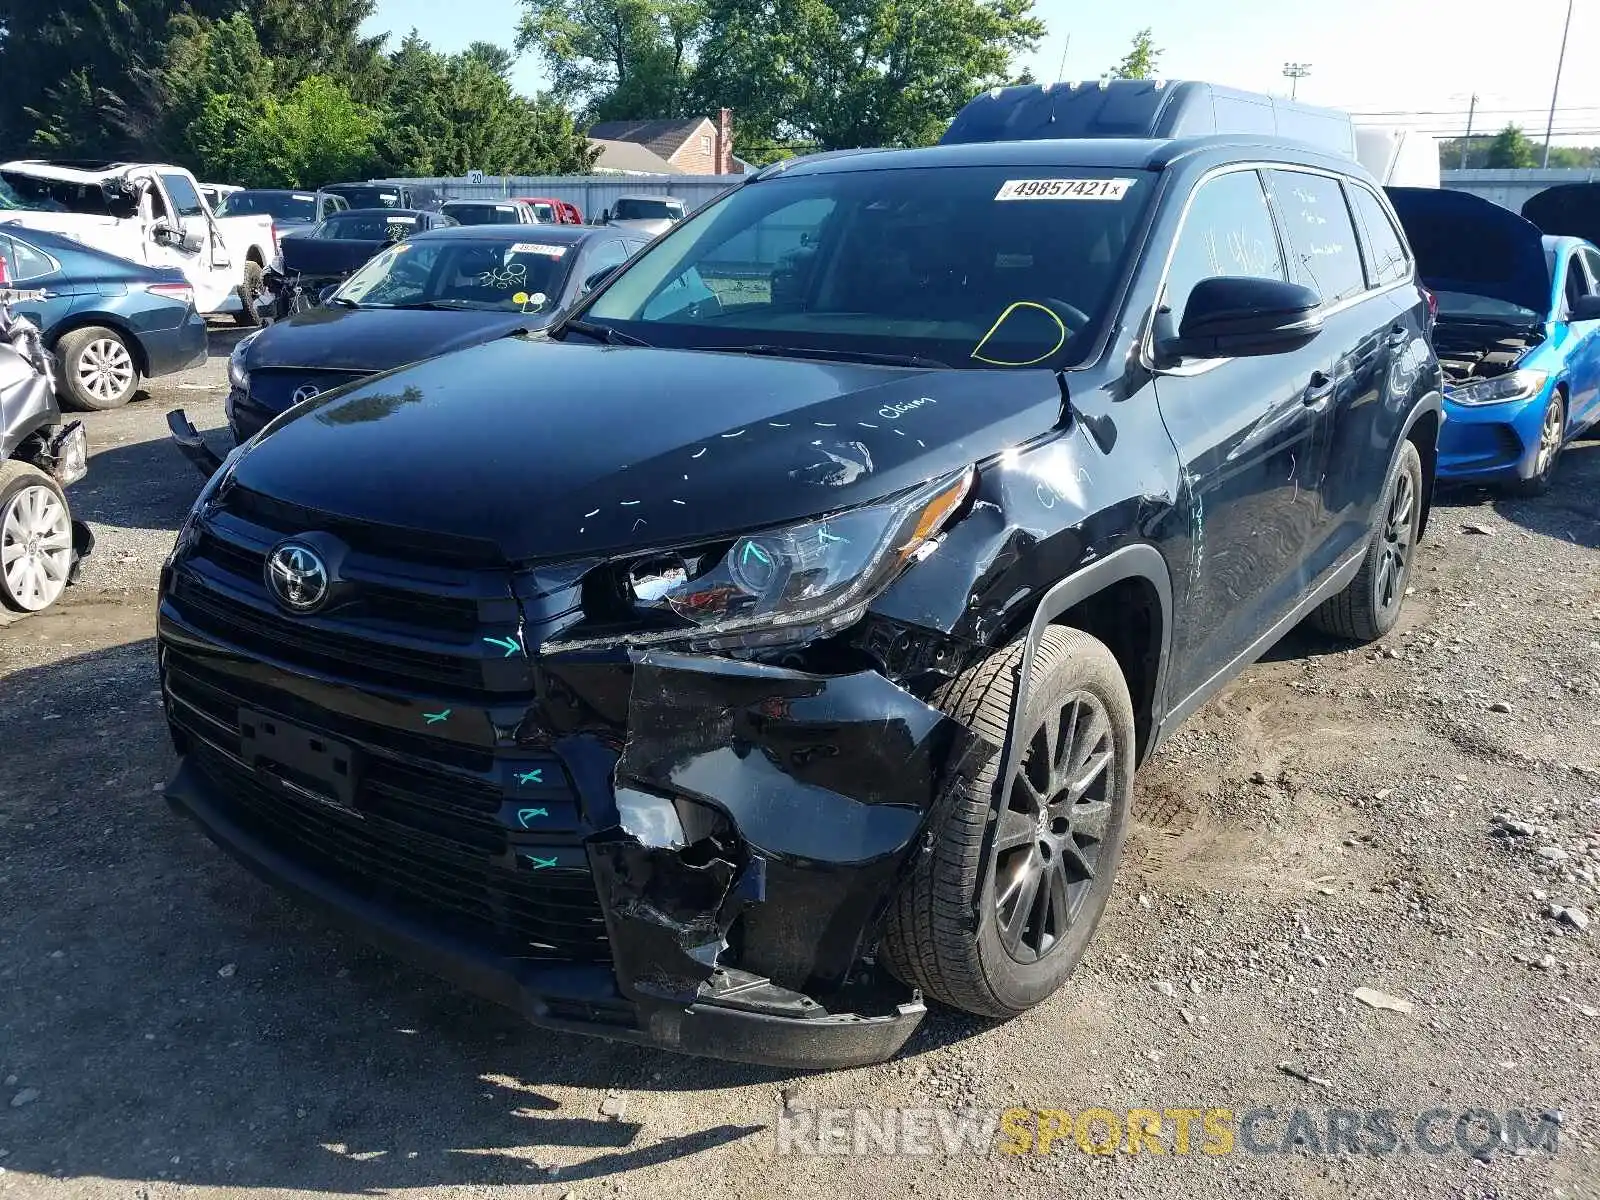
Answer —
1472 109
1549 128
1295 72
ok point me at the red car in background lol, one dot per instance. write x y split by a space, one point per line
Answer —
561 212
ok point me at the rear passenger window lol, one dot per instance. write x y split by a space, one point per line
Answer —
1322 241
1228 231
1390 263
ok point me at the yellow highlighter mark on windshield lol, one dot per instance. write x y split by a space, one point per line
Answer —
1000 362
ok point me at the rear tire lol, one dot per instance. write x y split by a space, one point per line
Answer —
96 368
249 293
1369 606
962 927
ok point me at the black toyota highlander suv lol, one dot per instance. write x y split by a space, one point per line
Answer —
774 643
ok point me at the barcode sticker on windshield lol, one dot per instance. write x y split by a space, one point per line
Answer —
538 248
1064 189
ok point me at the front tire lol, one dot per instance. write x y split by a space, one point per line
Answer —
1552 438
1369 606
96 368
249 293
35 538
999 910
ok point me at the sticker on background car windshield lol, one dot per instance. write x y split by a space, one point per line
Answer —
304 196
538 248
1064 189
402 220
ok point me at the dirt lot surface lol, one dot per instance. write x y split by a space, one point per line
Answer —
1417 818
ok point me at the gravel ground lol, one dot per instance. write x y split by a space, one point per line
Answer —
1421 818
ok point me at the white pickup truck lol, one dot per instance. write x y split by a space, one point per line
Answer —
150 213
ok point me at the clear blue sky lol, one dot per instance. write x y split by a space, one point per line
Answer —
1420 56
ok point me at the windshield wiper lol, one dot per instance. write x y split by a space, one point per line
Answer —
603 333
866 356
341 300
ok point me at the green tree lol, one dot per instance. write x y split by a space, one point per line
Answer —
1141 60
322 37
616 58
318 134
451 114
69 68
1510 148
834 74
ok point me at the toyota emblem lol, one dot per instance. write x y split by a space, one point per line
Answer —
297 577
306 391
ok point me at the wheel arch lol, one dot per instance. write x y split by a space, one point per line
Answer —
1421 429
1124 600
102 320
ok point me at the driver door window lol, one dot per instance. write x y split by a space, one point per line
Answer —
1227 231
184 196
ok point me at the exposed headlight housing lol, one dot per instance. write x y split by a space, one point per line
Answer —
1502 389
816 575
238 377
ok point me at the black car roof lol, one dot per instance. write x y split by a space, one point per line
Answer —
552 235
1147 154
277 191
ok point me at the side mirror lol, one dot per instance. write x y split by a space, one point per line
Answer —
191 242
1586 308
326 293
599 277
164 233
1242 317
605 216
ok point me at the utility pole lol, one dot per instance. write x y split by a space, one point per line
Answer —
1295 72
1472 108
1549 128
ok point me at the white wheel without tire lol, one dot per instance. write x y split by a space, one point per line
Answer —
35 538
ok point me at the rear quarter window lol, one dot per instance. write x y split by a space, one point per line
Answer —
1389 260
1322 240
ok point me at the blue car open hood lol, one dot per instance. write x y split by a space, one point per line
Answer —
1465 243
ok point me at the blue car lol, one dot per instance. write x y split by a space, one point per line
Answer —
110 323
1517 333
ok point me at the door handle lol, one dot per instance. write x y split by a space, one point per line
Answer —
1319 390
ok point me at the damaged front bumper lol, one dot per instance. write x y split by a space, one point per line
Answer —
744 827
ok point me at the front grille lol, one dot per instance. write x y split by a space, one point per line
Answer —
391 622
273 388
430 839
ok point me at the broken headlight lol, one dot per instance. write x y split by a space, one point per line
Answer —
1502 389
815 573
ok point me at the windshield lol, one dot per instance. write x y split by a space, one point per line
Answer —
545 213
483 214
115 199
365 227
368 197
1468 306
297 207
8 198
628 209
968 266
456 273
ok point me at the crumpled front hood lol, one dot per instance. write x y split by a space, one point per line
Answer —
336 337
557 450
1465 243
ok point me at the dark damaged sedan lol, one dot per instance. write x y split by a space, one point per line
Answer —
436 292
774 643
